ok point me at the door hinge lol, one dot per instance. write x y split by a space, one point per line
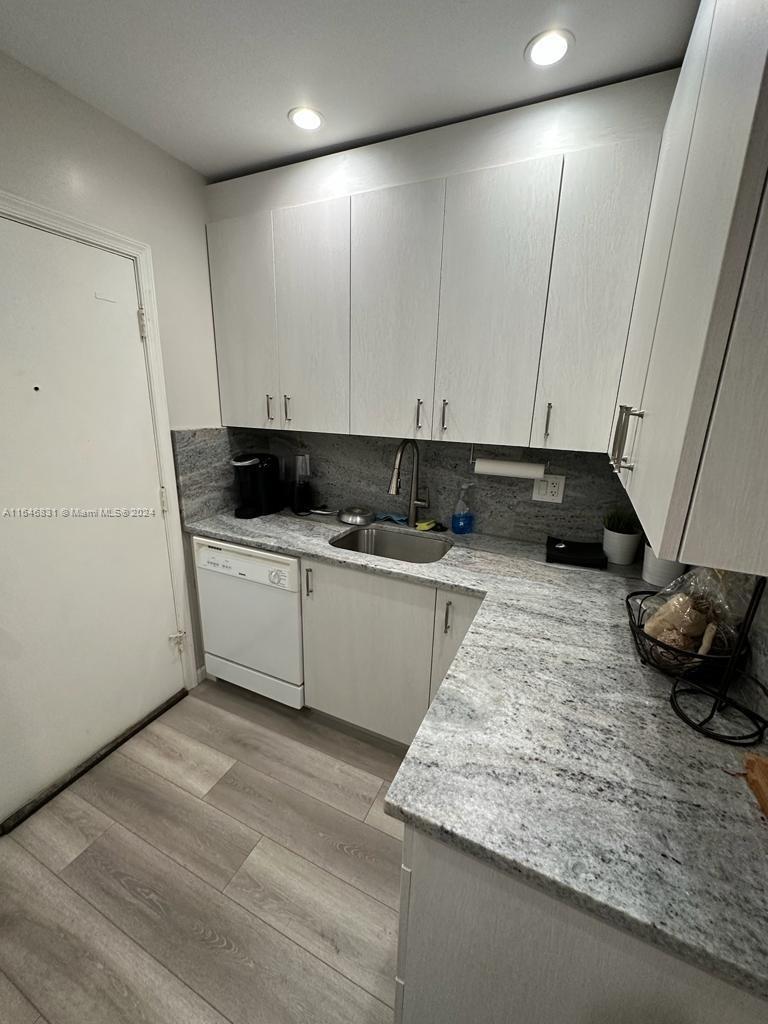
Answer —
178 639
142 323
163 500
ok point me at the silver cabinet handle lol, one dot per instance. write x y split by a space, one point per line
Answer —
419 404
444 415
287 407
624 411
546 422
618 458
269 408
620 417
308 582
447 621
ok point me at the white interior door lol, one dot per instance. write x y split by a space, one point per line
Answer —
87 604
397 236
497 249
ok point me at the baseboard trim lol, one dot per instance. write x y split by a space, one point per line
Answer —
53 790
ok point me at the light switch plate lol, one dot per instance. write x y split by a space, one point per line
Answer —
549 488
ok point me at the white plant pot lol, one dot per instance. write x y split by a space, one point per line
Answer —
660 571
620 548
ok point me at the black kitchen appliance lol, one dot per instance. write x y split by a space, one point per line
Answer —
259 488
301 496
572 552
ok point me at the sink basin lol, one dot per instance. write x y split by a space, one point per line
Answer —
393 542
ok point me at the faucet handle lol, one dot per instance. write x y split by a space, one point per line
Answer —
423 502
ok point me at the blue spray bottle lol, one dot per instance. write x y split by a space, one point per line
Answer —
463 519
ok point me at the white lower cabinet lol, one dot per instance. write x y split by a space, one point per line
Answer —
453 616
367 648
479 945
377 648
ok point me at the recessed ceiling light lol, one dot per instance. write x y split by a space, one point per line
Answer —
548 47
306 118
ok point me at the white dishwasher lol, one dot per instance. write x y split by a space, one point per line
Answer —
250 608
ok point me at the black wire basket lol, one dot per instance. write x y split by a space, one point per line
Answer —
672 660
709 690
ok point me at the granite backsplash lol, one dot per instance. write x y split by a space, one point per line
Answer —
759 641
204 478
350 470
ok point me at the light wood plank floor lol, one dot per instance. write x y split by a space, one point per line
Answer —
230 864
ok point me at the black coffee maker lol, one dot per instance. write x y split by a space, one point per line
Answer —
259 488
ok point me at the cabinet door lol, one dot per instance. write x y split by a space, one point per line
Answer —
715 218
727 526
497 249
598 243
397 238
367 648
243 293
453 617
312 287
667 186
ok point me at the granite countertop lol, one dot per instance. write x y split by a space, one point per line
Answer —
553 754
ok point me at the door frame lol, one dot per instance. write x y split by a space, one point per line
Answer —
23 211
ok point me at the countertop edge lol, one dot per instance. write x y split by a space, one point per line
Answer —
694 956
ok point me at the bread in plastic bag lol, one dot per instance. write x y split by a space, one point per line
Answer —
701 610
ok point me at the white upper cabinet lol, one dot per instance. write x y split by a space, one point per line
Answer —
714 218
599 238
243 292
727 526
311 248
497 248
396 247
431 300
667 186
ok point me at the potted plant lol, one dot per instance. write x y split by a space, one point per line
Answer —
621 536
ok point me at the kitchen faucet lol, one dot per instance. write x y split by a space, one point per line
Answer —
414 501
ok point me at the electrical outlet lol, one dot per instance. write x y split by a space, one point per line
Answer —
549 488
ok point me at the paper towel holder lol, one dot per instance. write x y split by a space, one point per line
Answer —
472 461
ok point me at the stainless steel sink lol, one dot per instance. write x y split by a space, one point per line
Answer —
394 542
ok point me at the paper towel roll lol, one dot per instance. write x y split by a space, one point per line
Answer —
503 467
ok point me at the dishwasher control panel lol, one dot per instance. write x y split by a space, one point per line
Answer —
247 564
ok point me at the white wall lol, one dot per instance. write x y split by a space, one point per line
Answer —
608 114
64 154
